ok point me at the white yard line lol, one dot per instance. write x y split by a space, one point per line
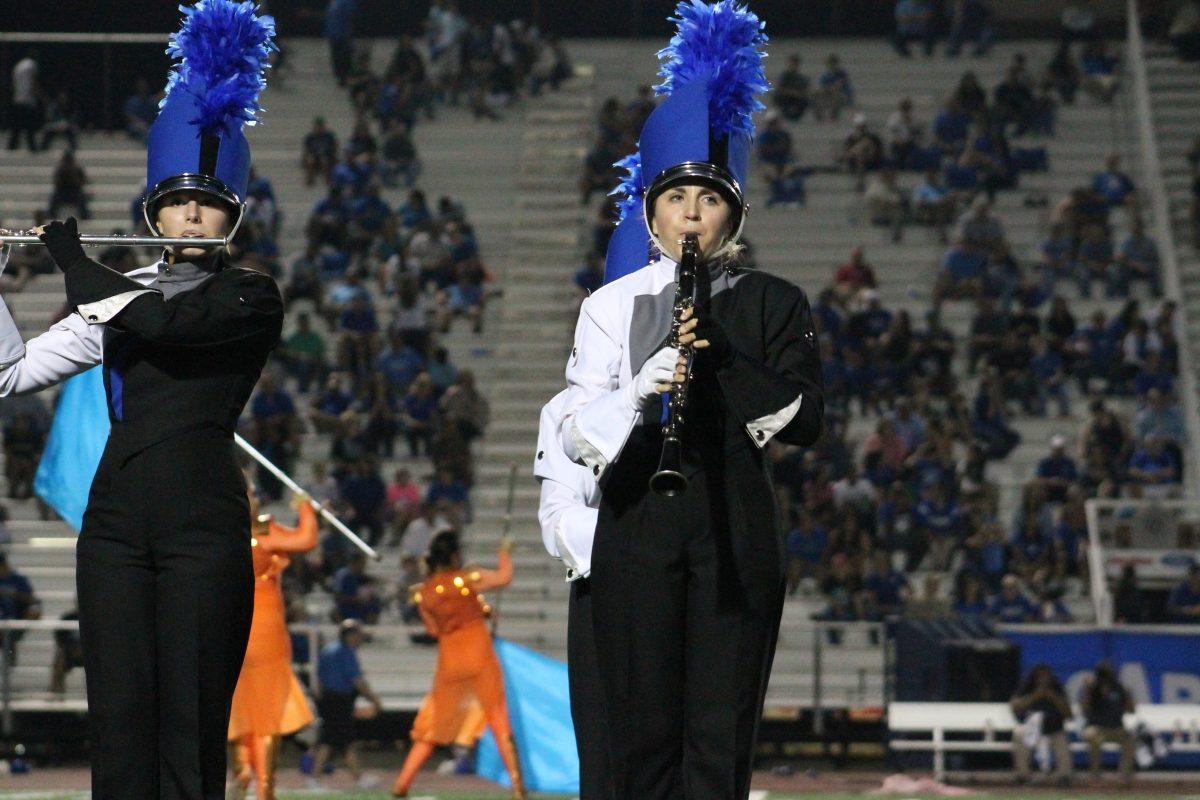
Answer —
759 795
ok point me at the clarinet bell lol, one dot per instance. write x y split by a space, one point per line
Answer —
669 481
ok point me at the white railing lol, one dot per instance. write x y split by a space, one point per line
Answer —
1155 191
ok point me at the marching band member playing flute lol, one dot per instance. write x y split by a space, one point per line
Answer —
164 571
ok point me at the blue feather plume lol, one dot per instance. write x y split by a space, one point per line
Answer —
629 190
222 50
721 43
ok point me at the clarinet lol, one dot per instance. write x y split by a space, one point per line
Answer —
669 480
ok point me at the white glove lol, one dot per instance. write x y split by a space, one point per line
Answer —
658 369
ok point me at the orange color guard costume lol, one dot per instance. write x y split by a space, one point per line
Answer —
455 611
269 702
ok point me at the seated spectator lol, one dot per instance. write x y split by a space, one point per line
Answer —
465 408
897 528
887 591
356 594
441 371
806 543
1014 102
415 211
403 502
141 109
1115 186
791 91
1041 702
940 519
1105 702
842 587
275 431
989 419
303 352
24 437
887 203
1071 535
17 602
411 316
962 274
855 275
445 487
862 151
969 599
1152 468
68 654
364 492
980 227
1154 374
419 414
398 156
1095 261
834 90
1137 260
62 119
319 152
970 94
327 409
1063 74
69 190
1057 471
1183 604
420 531
933 203
1161 418
866 327
1050 378
904 133
358 336
914 23
774 147
951 126
970 21
1011 606
1099 71
855 492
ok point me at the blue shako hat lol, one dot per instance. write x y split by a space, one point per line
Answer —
629 247
712 74
221 53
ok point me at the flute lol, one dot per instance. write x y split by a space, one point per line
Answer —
121 240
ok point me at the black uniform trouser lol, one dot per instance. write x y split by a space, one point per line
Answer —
684 655
166 593
587 697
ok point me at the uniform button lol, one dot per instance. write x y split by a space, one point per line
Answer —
93 317
596 470
540 454
758 435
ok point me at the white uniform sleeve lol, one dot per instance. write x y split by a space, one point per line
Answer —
569 496
599 419
66 349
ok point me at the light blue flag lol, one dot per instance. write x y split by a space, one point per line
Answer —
539 706
77 438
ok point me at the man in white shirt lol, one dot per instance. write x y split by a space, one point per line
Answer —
23 110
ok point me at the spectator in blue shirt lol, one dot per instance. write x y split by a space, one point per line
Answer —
1099 353
1162 418
834 90
418 413
1112 184
355 593
806 545
17 601
887 590
1050 378
1138 260
962 274
1055 253
950 127
341 681
141 109
1154 374
969 599
1099 70
1011 606
1057 471
1152 465
774 147
941 520
275 431
364 491
1183 604
970 21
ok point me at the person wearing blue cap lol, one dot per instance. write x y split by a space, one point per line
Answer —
164 571
687 589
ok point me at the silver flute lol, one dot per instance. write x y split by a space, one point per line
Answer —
121 240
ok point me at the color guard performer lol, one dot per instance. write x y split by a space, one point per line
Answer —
268 702
687 590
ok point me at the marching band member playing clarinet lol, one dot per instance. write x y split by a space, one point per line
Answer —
687 590
164 571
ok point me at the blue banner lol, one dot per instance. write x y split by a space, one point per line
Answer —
539 707
73 450
1155 666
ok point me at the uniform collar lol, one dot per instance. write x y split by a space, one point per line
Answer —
187 271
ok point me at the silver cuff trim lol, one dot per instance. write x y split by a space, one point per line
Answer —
102 311
763 429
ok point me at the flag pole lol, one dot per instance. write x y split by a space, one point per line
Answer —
287 481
